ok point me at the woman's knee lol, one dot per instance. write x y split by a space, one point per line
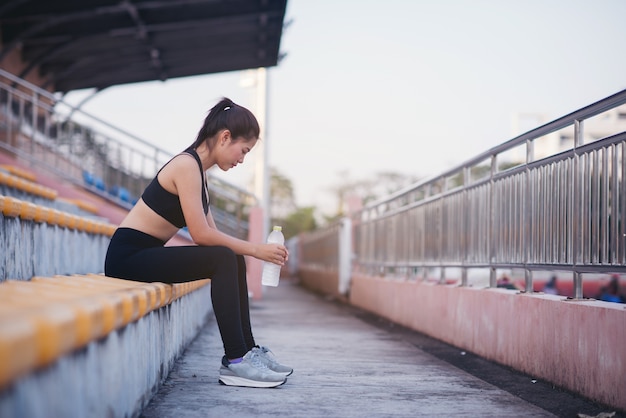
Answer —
224 253
241 266
224 258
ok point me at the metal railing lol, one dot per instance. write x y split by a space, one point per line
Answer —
563 211
40 128
319 249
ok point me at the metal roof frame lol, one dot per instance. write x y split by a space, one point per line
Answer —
78 44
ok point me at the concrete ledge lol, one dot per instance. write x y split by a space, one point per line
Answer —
48 317
25 181
13 208
579 345
39 240
115 375
81 204
19 172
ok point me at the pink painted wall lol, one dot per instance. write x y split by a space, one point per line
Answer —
578 345
319 281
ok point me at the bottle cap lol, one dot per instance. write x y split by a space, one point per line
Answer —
277 228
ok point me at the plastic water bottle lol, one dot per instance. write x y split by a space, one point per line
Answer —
271 271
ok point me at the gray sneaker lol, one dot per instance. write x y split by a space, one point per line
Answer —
250 372
270 361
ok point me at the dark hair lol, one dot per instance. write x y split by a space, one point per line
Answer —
226 114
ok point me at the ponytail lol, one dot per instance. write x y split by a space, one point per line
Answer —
226 114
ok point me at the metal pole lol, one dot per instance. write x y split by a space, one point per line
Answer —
577 226
262 177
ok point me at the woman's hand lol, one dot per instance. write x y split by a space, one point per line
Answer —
274 253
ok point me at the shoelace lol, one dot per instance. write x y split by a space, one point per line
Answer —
266 350
257 361
268 355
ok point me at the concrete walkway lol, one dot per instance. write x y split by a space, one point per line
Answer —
349 364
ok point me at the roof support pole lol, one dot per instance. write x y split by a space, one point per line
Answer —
262 169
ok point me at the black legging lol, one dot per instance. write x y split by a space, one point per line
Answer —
134 255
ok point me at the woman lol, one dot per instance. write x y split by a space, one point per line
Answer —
178 197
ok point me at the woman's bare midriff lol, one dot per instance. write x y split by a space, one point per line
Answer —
144 219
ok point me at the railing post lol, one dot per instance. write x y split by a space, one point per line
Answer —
467 173
527 217
577 209
528 281
493 281
345 254
440 204
464 281
490 232
578 285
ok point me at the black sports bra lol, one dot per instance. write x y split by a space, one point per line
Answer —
167 204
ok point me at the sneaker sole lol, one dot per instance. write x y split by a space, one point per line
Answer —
284 373
242 382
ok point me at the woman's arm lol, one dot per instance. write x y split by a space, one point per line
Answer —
203 231
210 220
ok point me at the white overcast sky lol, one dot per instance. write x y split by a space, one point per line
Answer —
409 86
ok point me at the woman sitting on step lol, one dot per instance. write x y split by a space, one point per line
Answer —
178 197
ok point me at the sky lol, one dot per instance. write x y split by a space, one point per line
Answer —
407 86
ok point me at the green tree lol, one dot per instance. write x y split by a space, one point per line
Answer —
283 208
301 220
282 199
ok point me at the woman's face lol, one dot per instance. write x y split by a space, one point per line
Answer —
235 151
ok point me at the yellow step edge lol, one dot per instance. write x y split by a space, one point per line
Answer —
54 332
146 293
20 172
89 306
44 318
176 290
132 302
33 337
18 354
27 185
13 208
10 207
161 293
147 296
181 289
106 311
82 204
